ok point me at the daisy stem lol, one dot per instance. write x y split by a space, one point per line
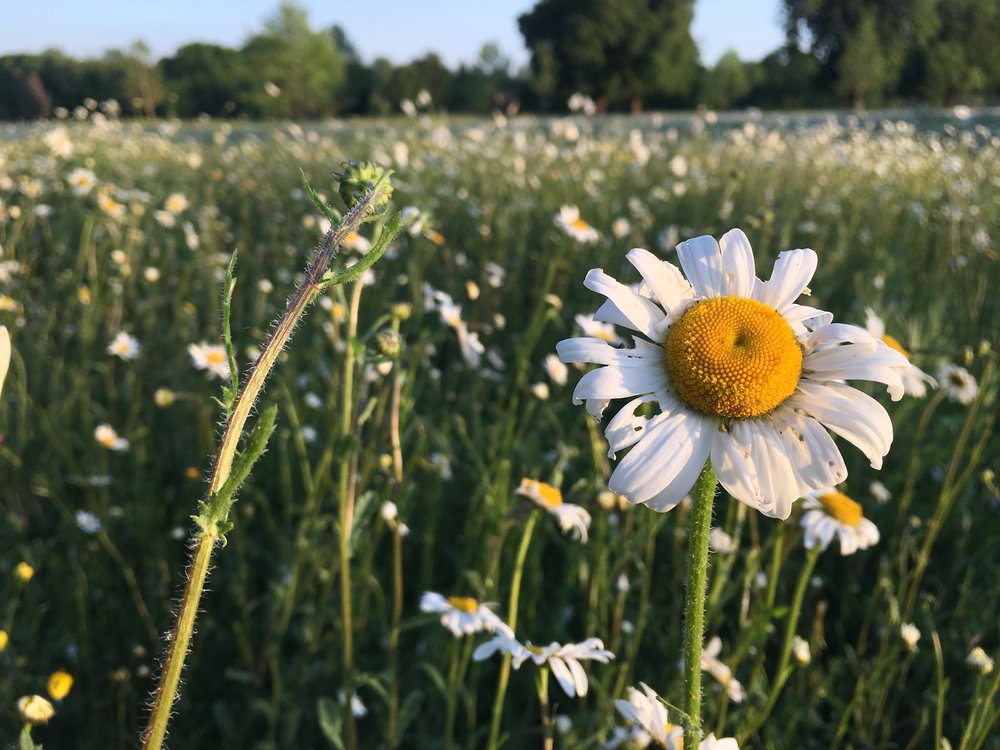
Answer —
214 516
515 595
543 702
783 672
702 497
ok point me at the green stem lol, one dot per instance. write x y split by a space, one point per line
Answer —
346 510
453 685
783 672
515 595
543 702
397 616
180 639
702 497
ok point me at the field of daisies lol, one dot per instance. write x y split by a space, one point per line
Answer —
471 525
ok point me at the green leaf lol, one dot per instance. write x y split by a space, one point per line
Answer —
330 720
322 207
229 392
386 235
408 712
26 742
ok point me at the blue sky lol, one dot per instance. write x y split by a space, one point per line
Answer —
398 29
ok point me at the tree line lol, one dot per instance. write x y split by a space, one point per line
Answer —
616 54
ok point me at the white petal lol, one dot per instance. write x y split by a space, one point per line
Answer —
626 428
666 281
579 676
620 382
431 601
858 362
856 417
770 483
668 498
702 263
4 354
562 674
815 456
642 314
600 352
792 273
739 270
663 453
803 317
838 333
731 461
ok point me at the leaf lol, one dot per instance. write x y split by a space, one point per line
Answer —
322 207
408 712
386 235
229 392
330 720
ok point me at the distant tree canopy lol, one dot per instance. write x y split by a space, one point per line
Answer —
626 54
612 50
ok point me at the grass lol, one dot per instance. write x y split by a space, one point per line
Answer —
902 210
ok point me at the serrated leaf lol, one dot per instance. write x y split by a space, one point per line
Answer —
322 207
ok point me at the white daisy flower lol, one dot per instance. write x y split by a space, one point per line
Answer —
649 724
598 330
915 380
557 371
211 357
564 661
176 203
741 374
910 634
568 219
463 615
720 541
722 674
572 518
87 522
358 708
105 435
829 513
355 241
958 383
880 492
979 660
81 181
124 346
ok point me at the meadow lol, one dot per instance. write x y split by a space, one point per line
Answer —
413 403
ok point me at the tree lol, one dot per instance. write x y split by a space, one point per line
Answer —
295 71
204 78
613 50
138 79
727 83
861 45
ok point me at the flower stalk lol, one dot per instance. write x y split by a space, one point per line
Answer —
213 519
702 498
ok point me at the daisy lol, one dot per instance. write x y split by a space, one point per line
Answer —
572 518
124 347
979 660
81 181
958 383
176 203
211 357
105 435
598 330
463 615
741 374
34 709
910 634
829 513
915 380
558 372
568 219
564 661
722 674
649 724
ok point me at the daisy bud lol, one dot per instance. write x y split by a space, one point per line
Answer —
389 343
401 310
800 650
979 660
163 397
910 635
357 178
34 709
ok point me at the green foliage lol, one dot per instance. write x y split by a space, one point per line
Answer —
617 51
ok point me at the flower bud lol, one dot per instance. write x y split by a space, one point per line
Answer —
389 343
355 181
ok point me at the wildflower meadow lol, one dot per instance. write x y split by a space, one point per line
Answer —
436 432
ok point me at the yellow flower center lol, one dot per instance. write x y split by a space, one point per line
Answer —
534 649
546 494
463 603
579 225
733 357
842 508
215 357
893 344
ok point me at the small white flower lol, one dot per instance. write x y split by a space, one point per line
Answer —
105 435
649 723
979 660
720 541
211 357
800 650
88 523
915 380
722 674
463 615
958 383
388 511
4 354
620 227
880 492
556 370
124 346
568 219
540 391
563 661
910 635
358 708
572 518
829 513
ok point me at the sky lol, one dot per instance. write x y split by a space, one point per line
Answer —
398 29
